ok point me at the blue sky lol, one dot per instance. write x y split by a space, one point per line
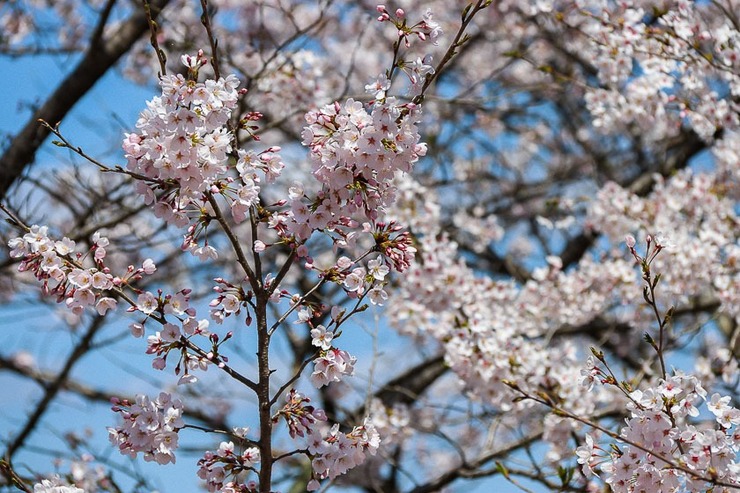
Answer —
112 102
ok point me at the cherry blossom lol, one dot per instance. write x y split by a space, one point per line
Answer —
491 226
662 450
149 427
54 486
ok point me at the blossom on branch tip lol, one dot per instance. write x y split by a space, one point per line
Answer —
332 366
216 468
321 337
149 427
660 442
64 274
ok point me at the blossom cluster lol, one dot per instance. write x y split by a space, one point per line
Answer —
355 155
426 28
299 414
396 248
60 268
662 68
182 139
335 452
394 424
493 331
65 18
149 427
232 298
180 152
332 452
661 450
215 468
332 364
162 342
359 281
717 363
703 226
84 475
171 338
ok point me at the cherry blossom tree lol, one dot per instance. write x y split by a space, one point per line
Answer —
401 247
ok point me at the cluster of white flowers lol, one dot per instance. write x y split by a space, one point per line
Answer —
64 19
355 155
394 424
181 151
169 339
660 450
217 467
84 475
426 29
182 136
660 69
149 426
246 194
60 268
335 453
717 364
359 280
331 366
703 226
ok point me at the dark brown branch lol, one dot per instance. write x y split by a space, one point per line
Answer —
97 35
473 469
464 470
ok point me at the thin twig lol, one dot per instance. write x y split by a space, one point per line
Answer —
153 28
205 19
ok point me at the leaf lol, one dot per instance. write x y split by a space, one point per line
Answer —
669 315
466 10
565 474
502 469
657 279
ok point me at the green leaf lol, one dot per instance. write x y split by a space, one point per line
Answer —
649 339
669 315
565 474
657 279
512 54
466 10
502 469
